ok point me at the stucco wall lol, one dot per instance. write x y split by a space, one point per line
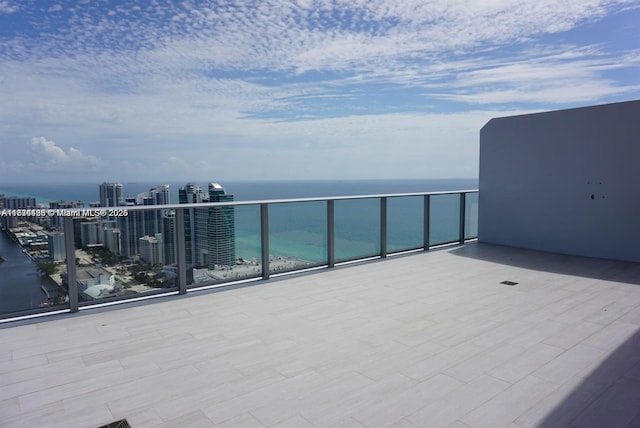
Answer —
565 181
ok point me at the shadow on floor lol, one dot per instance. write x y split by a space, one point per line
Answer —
586 267
608 397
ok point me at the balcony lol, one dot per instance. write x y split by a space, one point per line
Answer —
426 339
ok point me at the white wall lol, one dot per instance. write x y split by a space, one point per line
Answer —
566 181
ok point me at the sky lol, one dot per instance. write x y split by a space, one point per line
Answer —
113 90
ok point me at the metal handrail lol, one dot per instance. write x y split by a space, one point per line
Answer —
271 201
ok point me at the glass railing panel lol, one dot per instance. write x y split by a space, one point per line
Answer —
128 256
31 278
405 223
471 216
297 236
444 224
223 244
357 228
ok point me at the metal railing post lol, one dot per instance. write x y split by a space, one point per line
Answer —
331 230
462 216
383 227
70 252
181 249
264 237
427 221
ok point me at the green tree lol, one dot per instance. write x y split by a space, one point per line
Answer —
48 267
60 299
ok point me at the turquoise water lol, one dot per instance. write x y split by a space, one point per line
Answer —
299 229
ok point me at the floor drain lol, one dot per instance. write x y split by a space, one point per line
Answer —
508 283
117 424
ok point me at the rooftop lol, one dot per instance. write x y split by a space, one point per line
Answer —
428 339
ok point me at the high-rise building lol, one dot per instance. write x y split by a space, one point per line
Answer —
56 246
14 203
92 231
111 240
111 195
152 219
194 223
169 238
150 223
128 227
19 203
151 249
221 233
209 232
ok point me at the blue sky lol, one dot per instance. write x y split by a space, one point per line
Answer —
308 89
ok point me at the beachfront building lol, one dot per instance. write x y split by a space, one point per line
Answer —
220 229
193 194
209 232
111 194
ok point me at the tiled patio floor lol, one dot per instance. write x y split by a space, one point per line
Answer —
428 340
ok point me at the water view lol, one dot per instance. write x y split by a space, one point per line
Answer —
137 254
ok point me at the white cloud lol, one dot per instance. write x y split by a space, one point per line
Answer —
7 8
47 155
567 75
47 150
562 92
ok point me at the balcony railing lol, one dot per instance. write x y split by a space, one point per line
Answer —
265 238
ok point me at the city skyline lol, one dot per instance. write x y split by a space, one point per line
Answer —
292 90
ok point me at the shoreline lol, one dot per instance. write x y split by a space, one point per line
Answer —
251 268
